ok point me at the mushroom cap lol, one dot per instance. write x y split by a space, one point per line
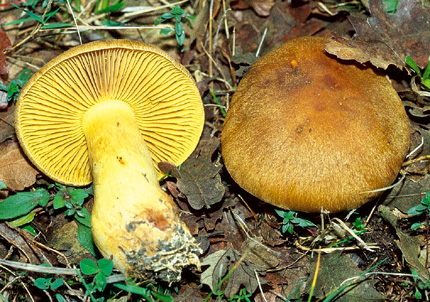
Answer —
162 93
307 131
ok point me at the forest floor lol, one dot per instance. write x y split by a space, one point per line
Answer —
378 252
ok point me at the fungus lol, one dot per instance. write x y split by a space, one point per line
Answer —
307 131
105 112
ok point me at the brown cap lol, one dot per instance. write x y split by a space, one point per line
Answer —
307 131
166 104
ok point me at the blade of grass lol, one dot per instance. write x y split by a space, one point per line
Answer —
218 103
314 281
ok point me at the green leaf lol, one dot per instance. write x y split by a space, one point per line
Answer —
426 73
426 83
42 283
163 17
85 239
23 220
180 38
106 266
88 267
416 226
22 203
56 284
112 8
19 21
418 294
59 201
78 195
135 290
411 63
30 229
34 16
417 210
167 31
2 185
60 298
24 75
390 6
100 282
176 10
84 217
162 297
57 25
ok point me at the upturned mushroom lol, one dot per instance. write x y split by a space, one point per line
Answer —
107 112
307 131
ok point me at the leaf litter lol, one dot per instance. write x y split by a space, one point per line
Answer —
385 39
208 196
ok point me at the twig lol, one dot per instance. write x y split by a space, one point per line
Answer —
386 188
211 61
74 20
259 285
97 27
53 270
416 149
128 16
35 30
345 227
261 43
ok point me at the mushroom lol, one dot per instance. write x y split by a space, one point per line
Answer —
106 112
307 131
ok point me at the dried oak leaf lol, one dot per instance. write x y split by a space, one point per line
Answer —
4 44
385 39
223 261
200 180
7 129
261 7
15 170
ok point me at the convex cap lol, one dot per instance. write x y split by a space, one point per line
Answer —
164 98
307 131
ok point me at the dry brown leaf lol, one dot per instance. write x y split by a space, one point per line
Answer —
7 129
220 262
15 170
385 39
4 44
200 180
261 7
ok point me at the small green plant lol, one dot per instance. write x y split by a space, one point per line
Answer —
18 209
98 271
424 76
423 207
177 14
290 220
420 289
242 295
358 224
50 284
16 85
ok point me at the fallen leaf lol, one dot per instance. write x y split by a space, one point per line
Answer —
7 129
259 254
221 262
15 170
243 60
261 7
4 44
385 39
200 180
409 245
169 168
334 269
